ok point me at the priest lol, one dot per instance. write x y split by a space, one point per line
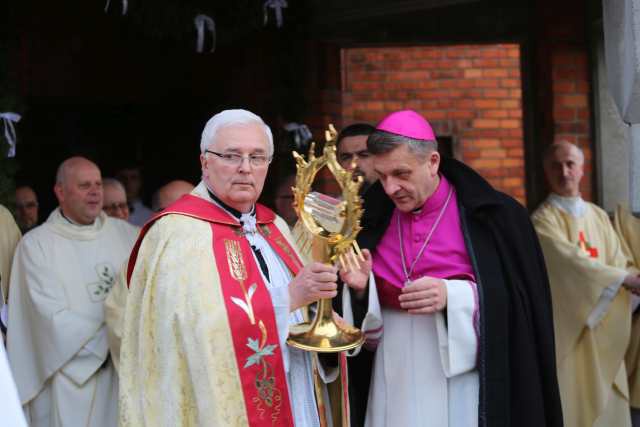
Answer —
589 273
62 272
627 227
468 335
214 282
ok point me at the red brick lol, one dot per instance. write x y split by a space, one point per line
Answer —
495 72
486 103
510 124
510 83
579 100
495 114
510 104
496 93
485 143
486 63
564 113
464 103
486 123
515 152
451 73
497 153
515 114
472 73
487 83
462 114
515 93
486 163
513 162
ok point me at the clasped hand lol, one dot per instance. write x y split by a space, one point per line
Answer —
425 295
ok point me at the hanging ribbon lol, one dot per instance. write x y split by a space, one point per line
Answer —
125 6
301 134
9 119
202 21
277 6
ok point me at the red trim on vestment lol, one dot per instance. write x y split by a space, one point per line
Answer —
195 207
254 330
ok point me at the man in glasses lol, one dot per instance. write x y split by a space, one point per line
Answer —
214 282
115 199
26 208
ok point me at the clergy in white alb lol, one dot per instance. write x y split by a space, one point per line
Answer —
443 274
214 281
592 309
62 272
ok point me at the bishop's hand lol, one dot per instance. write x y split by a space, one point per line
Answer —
358 278
425 295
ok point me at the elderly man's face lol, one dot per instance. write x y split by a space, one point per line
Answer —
115 202
80 195
26 208
354 156
564 170
407 179
237 185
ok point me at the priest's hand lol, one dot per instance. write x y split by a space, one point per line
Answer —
357 279
632 283
425 295
313 282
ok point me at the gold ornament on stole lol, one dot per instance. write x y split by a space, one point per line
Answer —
332 225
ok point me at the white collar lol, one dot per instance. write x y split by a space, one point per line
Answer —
574 206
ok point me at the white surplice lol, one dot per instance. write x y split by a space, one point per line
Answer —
57 342
424 370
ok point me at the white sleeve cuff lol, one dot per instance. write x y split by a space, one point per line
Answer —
602 306
458 335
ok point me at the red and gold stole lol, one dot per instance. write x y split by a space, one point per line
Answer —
248 305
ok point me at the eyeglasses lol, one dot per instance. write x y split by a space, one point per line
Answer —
233 159
115 206
27 205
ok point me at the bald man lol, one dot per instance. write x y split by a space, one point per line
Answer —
590 279
62 272
170 193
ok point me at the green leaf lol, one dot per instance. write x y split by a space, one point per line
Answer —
254 359
253 344
268 350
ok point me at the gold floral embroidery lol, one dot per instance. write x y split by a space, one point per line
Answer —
238 271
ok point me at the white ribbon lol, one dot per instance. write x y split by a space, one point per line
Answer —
9 119
200 21
301 133
125 6
276 5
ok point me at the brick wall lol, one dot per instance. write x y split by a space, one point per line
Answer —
571 108
469 92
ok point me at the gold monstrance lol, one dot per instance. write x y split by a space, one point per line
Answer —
333 225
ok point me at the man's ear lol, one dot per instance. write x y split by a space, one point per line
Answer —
58 191
434 161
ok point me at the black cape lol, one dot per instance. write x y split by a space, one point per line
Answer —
516 364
